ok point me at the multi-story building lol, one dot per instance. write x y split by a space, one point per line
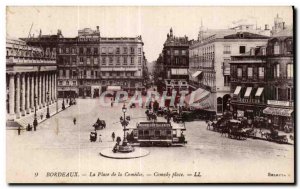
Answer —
90 64
262 83
78 61
175 56
30 78
209 63
122 63
280 104
249 82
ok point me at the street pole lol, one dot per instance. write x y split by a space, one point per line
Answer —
70 103
56 91
124 129
48 113
63 102
35 123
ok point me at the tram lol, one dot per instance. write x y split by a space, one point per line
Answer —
158 134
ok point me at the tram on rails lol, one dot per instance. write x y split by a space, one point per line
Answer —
157 134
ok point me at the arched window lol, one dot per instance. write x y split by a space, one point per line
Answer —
219 105
276 48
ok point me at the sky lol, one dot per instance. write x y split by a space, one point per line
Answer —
153 23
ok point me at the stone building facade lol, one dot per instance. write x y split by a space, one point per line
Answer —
30 78
209 62
89 64
262 82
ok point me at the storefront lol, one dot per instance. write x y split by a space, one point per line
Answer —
280 117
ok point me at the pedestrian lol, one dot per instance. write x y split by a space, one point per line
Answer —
41 116
34 127
28 127
19 130
74 120
100 138
113 135
115 149
112 104
118 140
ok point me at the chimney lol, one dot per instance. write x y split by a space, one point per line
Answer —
97 28
266 27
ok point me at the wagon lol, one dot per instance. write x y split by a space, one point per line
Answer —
276 138
100 124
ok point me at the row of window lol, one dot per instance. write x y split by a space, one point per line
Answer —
92 73
95 51
177 52
104 60
177 61
261 71
203 50
111 82
74 83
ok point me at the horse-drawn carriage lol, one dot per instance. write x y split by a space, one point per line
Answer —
161 112
151 116
178 118
274 136
99 125
235 130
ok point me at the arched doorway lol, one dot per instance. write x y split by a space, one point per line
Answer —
226 102
219 105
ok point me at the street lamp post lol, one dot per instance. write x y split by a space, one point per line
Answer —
70 101
125 147
48 113
35 123
63 102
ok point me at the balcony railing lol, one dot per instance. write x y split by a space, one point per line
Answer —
30 60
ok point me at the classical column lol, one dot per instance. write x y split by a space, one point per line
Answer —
32 93
27 94
11 96
40 90
50 88
46 88
23 91
55 87
18 96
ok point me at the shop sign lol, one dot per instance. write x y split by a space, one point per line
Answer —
278 103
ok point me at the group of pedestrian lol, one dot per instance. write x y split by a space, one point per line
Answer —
118 140
28 128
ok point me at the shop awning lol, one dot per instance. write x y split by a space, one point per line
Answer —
196 74
199 99
237 90
113 88
278 111
248 91
259 91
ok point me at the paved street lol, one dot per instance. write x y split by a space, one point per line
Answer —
59 145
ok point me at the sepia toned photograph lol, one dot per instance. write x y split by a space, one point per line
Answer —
150 94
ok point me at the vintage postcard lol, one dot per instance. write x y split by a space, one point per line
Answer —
150 94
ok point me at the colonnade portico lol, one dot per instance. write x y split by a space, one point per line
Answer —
23 87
